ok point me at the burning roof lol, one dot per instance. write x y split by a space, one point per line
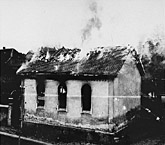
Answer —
100 61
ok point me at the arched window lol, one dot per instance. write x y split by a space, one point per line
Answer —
40 86
62 93
86 97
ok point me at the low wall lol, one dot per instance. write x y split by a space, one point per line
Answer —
65 134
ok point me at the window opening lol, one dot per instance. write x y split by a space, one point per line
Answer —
86 97
40 92
62 93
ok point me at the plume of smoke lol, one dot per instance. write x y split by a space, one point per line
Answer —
93 22
34 57
23 66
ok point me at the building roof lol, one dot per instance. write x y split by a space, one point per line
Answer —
101 61
11 58
6 54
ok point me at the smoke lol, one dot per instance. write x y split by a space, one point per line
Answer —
23 66
93 22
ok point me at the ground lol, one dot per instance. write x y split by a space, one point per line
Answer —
139 132
158 140
143 129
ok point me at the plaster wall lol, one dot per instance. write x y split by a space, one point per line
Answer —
99 98
51 97
100 92
30 95
127 87
74 108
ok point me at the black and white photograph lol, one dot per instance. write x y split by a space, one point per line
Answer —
82 72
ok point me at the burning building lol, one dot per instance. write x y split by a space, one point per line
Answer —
95 91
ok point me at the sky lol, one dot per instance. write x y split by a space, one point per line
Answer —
29 24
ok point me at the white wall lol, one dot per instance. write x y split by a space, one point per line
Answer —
30 95
74 108
127 88
51 96
99 98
